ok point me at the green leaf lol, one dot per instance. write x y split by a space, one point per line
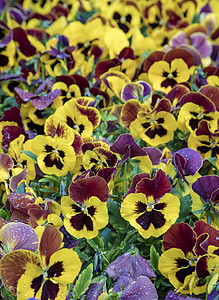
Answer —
185 208
154 257
82 255
111 118
84 280
31 155
115 218
96 243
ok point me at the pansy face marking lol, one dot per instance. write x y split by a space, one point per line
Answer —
149 206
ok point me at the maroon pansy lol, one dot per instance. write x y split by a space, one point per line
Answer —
85 188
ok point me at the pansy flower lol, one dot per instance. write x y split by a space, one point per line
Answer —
85 210
125 15
149 205
154 127
205 142
164 75
195 107
136 90
68 88
53 155
97 156
184 247
42 276
81 118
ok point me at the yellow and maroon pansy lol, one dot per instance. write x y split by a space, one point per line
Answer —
154 127
195 107
69 89
205 142
59 130
184 247
82 119
53 156
43 276
126 15
115 81
130 111
97 156
85 210
149 205
165 75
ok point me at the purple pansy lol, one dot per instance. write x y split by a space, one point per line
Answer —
134 90
187 162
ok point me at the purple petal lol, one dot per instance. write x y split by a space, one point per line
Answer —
199 41
94 291
142 289
131 91
6 39
63 41
125 280
146 88
16 179
2 5
16 15
179 39
119 266
154 155
125 141
57 53
174 296
40 102
193 159
17 235
45 100
141 267
205 186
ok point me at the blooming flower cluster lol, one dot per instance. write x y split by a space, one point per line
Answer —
109 157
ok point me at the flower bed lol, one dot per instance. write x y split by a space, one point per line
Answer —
109 152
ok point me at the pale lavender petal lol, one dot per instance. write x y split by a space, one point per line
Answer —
142 289
199 41
179 39
17 235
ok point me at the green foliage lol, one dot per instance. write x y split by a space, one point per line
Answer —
115 218
31 155
154 257
83 282
185 208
